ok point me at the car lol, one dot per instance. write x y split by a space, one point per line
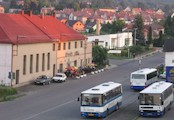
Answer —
59 77
163 75
43 80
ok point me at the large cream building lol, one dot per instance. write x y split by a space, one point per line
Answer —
33 45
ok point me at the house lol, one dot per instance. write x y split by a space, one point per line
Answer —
156 29
90 25
77 25
33 45
47 10
113 41
136 11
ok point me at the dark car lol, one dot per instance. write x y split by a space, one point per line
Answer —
43 80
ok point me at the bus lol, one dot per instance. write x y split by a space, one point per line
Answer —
101 100
156 99
142 78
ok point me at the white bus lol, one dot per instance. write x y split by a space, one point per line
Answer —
142 78
156 99
101 100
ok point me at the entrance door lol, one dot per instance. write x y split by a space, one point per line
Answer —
60 67
54 67
17 76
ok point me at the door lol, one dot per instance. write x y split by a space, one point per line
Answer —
54 67
60 67
17 76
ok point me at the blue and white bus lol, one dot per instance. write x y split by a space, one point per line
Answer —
156 99
101 100
142 78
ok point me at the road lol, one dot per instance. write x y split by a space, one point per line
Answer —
58 101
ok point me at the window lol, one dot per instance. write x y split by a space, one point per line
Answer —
53 47
43 61
106 44
152 75
69 45
48 61
64 46
75 45
75 62
111 94
81 62
31 63
24 64
59 46
37 63
126 41
81 44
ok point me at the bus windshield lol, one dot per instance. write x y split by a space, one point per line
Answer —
150 99
138 76
91 100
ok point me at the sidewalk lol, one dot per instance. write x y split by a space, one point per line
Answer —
115 63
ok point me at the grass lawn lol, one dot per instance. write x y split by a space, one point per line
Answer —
7 93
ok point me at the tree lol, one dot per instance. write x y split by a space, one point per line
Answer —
149 36
139 25
99 55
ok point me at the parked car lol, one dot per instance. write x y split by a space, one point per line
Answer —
59 77
43 80
163 75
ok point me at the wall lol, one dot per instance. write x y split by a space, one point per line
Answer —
33 49
5 63
68 56
169 58
113 40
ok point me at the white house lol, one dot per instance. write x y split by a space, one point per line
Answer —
113 41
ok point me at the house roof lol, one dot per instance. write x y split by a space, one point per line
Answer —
168 45
34 29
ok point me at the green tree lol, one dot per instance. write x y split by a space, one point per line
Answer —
27 4
149 42
99 55
169 26
139 25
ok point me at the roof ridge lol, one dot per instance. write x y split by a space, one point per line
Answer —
37 27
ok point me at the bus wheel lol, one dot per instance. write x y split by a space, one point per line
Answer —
170 106
117 106
107 112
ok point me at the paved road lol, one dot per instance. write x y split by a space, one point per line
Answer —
58 101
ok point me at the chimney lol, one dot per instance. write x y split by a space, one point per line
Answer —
30 14
22 12
54 14
42 15
98 27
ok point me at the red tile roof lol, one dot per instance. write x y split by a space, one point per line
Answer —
34 29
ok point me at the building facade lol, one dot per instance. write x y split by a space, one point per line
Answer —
113 41
33 45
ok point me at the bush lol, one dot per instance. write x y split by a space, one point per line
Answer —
6 93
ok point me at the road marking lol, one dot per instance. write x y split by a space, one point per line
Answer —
53 108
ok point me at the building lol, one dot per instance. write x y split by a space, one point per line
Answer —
77 25
33 45
169 59
169 52
113 41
